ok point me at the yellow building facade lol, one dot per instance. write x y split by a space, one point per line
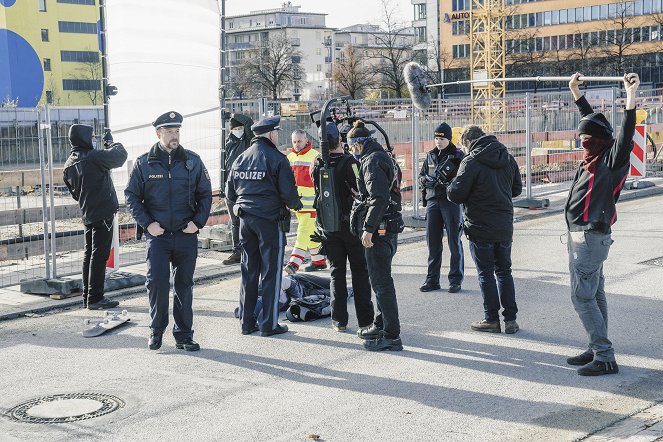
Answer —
49 52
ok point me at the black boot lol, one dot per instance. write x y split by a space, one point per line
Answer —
188 345
102 304
155 341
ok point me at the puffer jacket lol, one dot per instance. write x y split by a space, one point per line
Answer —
487 180
171 189
87 175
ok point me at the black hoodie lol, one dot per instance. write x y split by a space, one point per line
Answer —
488 178
87 174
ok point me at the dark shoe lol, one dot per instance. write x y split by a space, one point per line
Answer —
384 344
429 287
278 330
598 368
188 345
454 288
103 304
234 258
339 327
155 341
510 327
369 332
315 267
251 329
581 359
291 268
486 326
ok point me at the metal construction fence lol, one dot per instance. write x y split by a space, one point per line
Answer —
41 234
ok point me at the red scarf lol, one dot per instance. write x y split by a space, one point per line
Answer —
593 149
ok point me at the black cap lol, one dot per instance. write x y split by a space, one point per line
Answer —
234 123
169 119
266 125
596 125
443 131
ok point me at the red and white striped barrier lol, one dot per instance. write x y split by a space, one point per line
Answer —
113 262
639 154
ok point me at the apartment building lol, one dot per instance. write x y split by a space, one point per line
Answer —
49 52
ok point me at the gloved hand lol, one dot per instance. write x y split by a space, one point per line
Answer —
108 138
316 237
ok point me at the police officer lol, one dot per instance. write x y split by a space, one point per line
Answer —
342 245
170 195
436 172
376 218
261 187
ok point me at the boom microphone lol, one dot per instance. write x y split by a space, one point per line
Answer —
416 84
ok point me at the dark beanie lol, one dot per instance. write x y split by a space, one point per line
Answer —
444 131
234 123
596 125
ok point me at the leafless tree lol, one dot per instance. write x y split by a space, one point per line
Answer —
395 49
619 38
352 74
272 67
521 52
90 70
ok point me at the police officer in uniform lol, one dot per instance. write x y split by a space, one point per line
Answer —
170 195
342 245
261 187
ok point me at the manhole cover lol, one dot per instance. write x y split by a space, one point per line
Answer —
653 262
63 408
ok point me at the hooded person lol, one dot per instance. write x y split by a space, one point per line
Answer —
442 215
238 140
87 176
488 179
590 212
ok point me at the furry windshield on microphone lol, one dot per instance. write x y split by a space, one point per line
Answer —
416 84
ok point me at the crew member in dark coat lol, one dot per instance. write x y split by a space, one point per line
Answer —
437 171
169 194
88 178
261 186
239 139
487 180
342 246
377 220
590 212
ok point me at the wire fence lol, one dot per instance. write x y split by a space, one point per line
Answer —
41 234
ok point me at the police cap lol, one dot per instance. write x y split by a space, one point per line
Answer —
169 119
267 124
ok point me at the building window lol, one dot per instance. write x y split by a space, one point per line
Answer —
49 97
77 27
42 5
47 64
78 2
80 56
420 34
420 11
44 35
81 85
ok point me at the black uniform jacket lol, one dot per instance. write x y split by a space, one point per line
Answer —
171 189
593 195
433 160
87 175
488 178
261 181
377 185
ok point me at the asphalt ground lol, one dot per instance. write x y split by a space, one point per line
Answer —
449 383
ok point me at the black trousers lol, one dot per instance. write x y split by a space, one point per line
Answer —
263 245
173 253
379 259
98 240
443 215
341 247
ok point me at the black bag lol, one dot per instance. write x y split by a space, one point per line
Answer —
394 223
357 218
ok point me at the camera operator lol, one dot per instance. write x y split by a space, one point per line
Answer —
343 246
376 218
436 173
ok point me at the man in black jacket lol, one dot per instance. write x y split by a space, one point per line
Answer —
169 194
88 178
377 220
342 246
590 212
487 180
438 169
237 142
261 187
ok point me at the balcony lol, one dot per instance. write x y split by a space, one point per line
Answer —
237 46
